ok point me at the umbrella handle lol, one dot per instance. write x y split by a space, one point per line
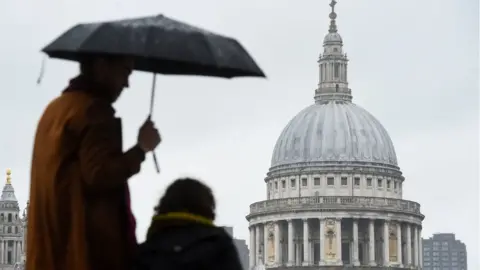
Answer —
155 162
152 101
157 168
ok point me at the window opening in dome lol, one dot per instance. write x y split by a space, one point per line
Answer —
379 183
9 229
276 185
316 181
336 70
344 181
284 185
292 182
388 184
9 217
330 181
394 185
304 182
369 182
16 229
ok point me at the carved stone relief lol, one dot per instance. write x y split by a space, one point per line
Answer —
271 244
392 241
330 247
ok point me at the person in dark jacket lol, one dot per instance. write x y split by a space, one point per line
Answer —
182 235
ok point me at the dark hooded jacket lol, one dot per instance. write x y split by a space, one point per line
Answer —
185 244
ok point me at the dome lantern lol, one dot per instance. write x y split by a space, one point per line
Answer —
333 84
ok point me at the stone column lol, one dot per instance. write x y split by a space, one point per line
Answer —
252 248
409 245
415 245
356 261
386 246
291 245
299 255
420 248
278 247
14 252
265 243
371 243
306 250
399 244
322 241
4 253
19 252
1 251
338 231
257 244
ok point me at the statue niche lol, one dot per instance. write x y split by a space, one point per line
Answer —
271 245
392 242
330 248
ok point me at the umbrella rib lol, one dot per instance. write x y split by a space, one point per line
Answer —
94 33
207 42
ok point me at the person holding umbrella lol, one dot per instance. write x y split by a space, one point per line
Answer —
79 212
80 217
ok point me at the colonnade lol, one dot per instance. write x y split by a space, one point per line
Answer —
10 251
336 241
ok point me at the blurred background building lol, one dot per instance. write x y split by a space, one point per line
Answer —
241 246
444 252
334 190
12 229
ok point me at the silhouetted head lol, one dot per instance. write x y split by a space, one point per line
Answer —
110 72
190 196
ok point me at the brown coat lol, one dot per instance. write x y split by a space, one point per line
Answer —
78 209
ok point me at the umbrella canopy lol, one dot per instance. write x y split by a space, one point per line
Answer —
160 45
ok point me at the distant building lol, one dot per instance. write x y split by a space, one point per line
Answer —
444 252
241 246
12 229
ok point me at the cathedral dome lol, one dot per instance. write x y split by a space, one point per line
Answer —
334 131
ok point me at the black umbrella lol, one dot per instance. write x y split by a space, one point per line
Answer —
159 45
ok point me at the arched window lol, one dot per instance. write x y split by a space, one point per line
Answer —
9 217
9 230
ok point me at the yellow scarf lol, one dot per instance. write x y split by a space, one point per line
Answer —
184 216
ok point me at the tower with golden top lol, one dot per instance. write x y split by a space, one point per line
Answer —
12 228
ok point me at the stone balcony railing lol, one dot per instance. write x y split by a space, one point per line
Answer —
319 203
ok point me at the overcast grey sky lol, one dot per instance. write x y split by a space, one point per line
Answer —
413 64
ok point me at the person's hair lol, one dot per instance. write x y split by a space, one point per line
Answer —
188 195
